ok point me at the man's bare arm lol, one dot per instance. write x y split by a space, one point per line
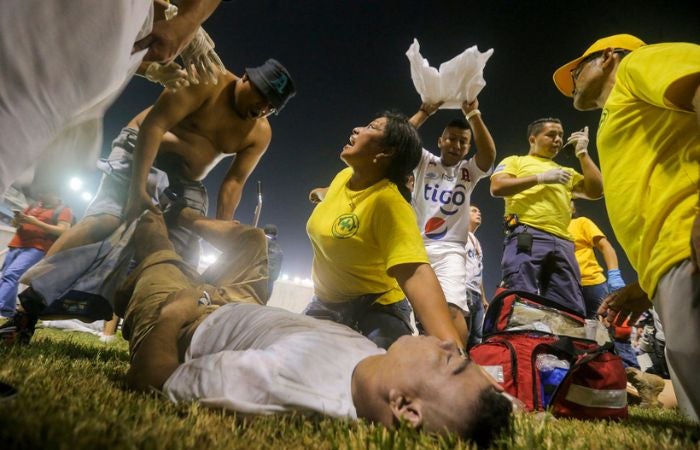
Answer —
232 187
169 110
591 187
426 110
608 252
505 185
318 194
485 147
423 291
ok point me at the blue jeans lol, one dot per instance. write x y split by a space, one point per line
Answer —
593 296
547 267
381 324
625 351
17 261
476 318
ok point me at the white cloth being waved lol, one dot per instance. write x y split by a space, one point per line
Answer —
457 80
475 264
262 360
62 64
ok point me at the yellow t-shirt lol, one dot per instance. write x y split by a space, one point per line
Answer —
546 206
584 232
355 246
649 151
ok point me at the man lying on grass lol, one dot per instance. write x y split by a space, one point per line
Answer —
191 341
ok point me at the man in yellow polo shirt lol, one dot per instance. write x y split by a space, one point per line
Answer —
587 238
649 148
538 252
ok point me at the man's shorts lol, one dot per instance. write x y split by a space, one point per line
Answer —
113 192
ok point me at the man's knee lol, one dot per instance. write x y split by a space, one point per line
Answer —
96 228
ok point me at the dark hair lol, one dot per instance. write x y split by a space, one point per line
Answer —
401 136
493 417
535 127
457 123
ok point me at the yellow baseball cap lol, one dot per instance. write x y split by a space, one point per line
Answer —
562 76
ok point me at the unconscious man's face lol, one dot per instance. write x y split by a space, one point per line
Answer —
436 388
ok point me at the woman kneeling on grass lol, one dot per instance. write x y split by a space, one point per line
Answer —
368 253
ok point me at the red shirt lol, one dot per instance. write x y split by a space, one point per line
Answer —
31 236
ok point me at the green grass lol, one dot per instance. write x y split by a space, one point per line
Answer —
73 396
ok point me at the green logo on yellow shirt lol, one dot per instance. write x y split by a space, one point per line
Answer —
345 226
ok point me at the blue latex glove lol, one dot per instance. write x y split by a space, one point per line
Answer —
615 281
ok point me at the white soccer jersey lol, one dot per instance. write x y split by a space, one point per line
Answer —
441 198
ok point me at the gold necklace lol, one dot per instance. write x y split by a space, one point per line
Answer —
351 199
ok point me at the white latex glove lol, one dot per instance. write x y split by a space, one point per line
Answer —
170 11
170 75
201 61
554 176
581 139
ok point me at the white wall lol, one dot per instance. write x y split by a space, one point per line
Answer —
290 296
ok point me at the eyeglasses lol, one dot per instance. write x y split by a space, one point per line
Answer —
576 71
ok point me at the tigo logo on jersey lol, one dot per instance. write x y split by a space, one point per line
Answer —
446 197
435 228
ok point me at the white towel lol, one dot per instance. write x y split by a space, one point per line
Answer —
457 80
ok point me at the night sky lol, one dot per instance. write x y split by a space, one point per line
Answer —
348 61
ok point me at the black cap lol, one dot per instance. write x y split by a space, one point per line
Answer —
273 80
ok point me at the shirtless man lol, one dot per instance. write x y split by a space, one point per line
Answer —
184 135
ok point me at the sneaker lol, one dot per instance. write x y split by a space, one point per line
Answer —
19 329
648 385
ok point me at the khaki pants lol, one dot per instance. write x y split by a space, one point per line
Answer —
240 275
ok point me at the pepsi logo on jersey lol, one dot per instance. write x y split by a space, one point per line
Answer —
435 228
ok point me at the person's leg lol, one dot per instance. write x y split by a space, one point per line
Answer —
89 230
564 285
384 324
625 351
241 272
192 196
476 318
448 261
158 354
109 329
161 303
521 264
593 296
18 261
677 300
335 312
104 213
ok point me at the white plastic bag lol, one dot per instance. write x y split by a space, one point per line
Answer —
457 80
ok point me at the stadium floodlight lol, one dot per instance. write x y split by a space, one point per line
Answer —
75 183
209 258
